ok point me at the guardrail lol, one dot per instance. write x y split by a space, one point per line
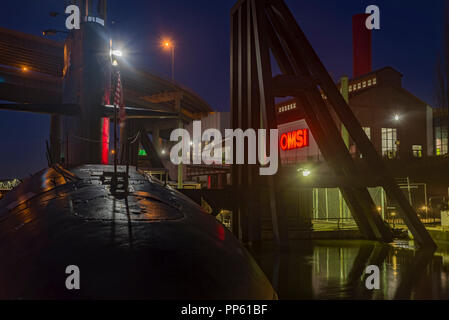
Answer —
333 224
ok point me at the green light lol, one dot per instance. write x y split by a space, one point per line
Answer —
142 153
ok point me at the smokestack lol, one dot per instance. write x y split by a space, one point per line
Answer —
362 45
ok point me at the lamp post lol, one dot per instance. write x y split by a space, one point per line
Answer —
169 45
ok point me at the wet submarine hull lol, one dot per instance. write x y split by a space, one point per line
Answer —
154 243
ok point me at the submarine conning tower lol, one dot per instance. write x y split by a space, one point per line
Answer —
87 83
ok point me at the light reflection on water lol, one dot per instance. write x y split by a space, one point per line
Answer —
336 270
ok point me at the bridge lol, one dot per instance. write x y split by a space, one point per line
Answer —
31 78
31 70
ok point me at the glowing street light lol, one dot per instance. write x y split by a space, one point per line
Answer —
305 172
167 45
396 117
117 53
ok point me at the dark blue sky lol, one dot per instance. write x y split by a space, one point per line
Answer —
409 40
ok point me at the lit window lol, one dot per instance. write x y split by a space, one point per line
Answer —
350 88
389 142
374 81
367 131
370 82
364 84
417 151
359 86
441 141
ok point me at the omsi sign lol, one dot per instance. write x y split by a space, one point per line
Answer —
295 140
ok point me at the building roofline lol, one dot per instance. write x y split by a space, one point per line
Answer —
375 72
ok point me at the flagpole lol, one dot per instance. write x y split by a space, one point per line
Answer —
115 138
115 122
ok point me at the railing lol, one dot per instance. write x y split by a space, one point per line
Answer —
334 224
337 224
426 221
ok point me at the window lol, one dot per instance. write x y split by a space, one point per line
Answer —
374 81
359 86
364 84
389 139
417 151
367 131
370 82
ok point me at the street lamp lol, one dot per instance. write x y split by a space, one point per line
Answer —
117 53
305 172
167 45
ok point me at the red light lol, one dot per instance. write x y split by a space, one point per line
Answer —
105 142
295 139
221 233
284 142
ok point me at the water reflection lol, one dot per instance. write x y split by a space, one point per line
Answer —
336 270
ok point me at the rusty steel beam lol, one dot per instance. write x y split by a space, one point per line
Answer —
327 136
339 105
268 113
297 80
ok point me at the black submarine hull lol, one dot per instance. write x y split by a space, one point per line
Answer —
154 243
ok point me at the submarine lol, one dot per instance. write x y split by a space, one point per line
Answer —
148 242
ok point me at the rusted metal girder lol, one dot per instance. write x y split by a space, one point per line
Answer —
322 125
347 117
258 27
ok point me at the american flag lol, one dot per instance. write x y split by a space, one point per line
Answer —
118 100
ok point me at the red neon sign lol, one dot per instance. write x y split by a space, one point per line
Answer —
295 140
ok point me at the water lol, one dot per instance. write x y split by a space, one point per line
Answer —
336 270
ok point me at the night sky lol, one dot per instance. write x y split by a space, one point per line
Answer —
409 40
